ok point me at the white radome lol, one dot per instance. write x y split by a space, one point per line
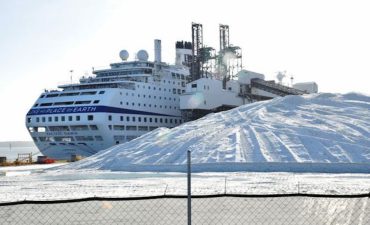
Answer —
142 55
124 55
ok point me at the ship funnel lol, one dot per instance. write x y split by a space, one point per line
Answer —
157 51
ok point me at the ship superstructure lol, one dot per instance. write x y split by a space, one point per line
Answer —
113 106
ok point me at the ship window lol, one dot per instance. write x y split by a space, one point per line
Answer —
144 105
99 138
78 118
64 139
118 127
152 128
58 128
170 120
138 104
70 94
139 119
161 120
46 104
148 87
43 119
144 119
128 119
175 120
101 92
178 91
93 127
82 102
121 118
42 96
194 85
133 119
160 89
89 93
90 117
110 127
84 138
63 118
155 120
110 117
133 103
142 128
79 127
132 128
29 119
52 95
129 138
126 103
36 105
118 138
165 120
56 119
150 120
69 118
63 103
37 119
97 101
50 118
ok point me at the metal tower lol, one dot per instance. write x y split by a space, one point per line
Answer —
197 44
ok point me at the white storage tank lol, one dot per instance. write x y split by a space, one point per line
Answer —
310 87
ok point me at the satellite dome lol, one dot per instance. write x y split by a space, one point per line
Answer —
123 55
142 55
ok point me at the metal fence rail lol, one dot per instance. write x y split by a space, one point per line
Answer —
216 209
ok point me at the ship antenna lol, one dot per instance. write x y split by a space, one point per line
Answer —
71 71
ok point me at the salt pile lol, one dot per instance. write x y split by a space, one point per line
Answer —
293 133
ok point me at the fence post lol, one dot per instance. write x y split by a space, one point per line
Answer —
189 187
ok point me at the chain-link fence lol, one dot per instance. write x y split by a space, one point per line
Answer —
217 209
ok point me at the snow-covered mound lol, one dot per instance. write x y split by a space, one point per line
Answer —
318 129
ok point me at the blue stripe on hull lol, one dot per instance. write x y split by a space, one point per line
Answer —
88 109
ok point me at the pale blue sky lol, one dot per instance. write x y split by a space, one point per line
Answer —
41 41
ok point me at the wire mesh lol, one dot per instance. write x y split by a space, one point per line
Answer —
217 209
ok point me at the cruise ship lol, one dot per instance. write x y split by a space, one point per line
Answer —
112 106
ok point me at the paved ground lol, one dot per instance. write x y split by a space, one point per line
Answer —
220 210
